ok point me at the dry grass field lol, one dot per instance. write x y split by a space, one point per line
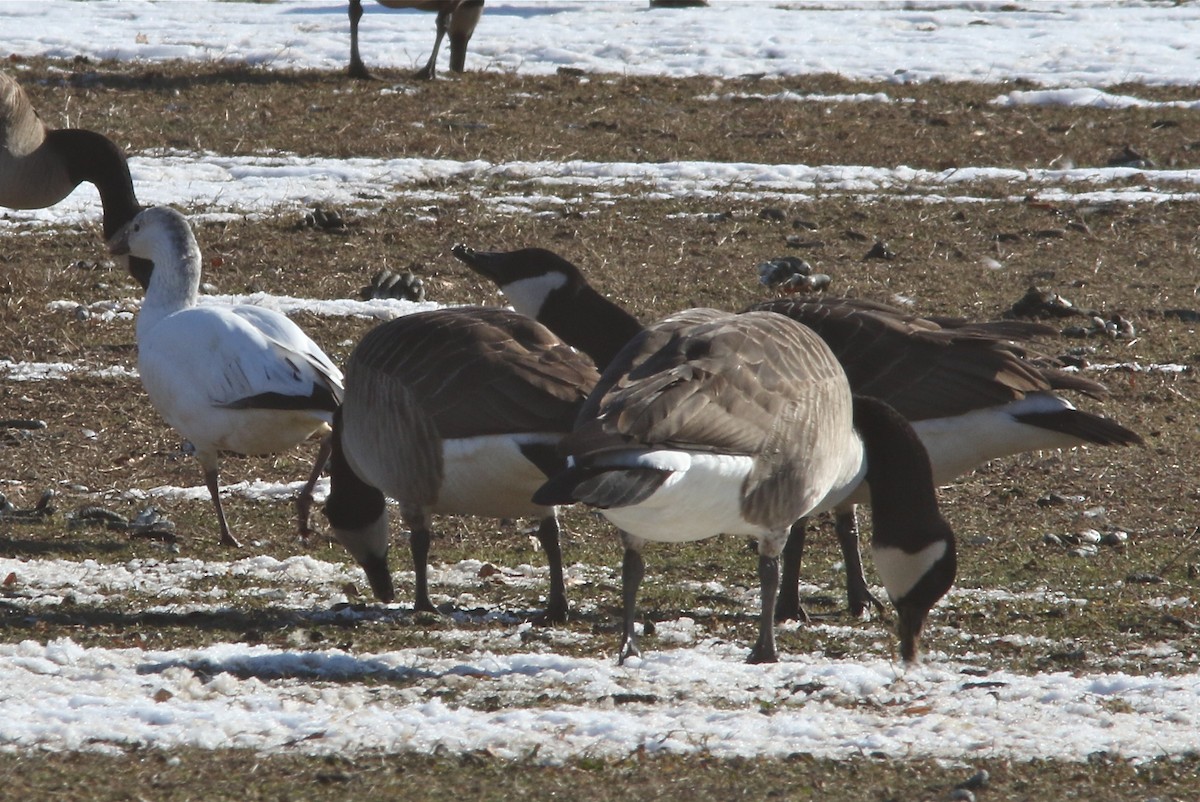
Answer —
653 254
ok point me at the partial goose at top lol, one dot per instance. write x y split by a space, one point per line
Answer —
456 18
973 391
40 166
711 422
228 378
454 411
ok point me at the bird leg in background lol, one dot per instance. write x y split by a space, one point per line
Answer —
305 499
787 605
857 592
556 604
418 543
429 71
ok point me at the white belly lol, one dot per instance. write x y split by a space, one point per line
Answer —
489 476
702 498
245 431
958 445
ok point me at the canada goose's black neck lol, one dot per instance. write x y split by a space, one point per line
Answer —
913 545
94 158
352 503
903 498
542 285
353 506
589 322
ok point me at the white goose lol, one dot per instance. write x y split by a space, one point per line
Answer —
453 411
457 18
972 393
712 422
40 166
233 378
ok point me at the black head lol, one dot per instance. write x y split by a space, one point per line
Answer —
505 267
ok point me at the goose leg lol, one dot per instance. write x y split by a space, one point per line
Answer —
214 490
418 544
768 578
548 536
429 71
462 26
357 68
788 606
858 595
305 499
633 568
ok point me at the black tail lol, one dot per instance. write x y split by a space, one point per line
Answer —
1084 425
600 487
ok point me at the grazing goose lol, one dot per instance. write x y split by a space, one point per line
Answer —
712 422
457 18
232 378
451 411
971 392
40 166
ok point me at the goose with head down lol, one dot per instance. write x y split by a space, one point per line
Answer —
973 391
40 166
711 422
228 378
455 411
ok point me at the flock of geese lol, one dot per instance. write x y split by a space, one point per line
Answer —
706 422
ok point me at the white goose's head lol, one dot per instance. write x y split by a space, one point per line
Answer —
163 236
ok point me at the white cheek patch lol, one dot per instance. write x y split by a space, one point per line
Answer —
527 295
901 571
368 541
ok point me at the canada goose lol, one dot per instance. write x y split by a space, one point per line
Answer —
457 18
39 166
713 422
455 411
972 393
233 378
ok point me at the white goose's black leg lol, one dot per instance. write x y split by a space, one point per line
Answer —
548 536
633 568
